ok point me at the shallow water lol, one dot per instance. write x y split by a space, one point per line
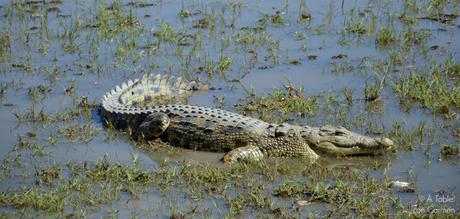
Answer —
42 41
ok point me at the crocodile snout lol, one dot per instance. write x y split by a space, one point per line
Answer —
386 143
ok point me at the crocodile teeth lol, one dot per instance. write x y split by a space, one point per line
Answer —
147 78
118 88
157 79
130 82
113 92
136 80
164 81
182 86
178 82
124 86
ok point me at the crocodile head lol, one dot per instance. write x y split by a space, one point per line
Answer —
339 141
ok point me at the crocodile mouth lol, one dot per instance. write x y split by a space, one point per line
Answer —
382 145
339 141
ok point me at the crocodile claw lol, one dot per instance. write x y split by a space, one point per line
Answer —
242 153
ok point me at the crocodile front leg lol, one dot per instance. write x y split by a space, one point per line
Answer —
291 145
152 127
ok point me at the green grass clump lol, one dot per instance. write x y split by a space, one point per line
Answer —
437 6
406 19
225 63
290 103
5 46
372 92
338 193
115 19
104 171
276 19
290 189
404 140
83 132
45 199
432 91
357 27
254 199
47 176
452 70
166 33
412 37
450 150
287 101
385 38
209 178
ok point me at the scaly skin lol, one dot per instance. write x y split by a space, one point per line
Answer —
135 106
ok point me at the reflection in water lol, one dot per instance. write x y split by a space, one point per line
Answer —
160 152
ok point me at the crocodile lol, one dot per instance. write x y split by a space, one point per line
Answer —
139 107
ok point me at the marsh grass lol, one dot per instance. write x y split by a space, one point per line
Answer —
51 200
5 45
98 183
211 42
83 132
83 185
450 150
276 19
287 101
432 90
372 92
290 189
411 37
356 27
386 37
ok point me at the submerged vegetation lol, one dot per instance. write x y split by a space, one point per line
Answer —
387 68
102 182
435 90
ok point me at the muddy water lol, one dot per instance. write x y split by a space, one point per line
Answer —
39 54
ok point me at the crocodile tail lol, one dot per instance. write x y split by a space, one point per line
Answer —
151 87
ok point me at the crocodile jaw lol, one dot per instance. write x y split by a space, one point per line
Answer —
339 141
337 150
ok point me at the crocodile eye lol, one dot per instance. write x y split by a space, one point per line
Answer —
132 92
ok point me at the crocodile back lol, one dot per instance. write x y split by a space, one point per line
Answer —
130 103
